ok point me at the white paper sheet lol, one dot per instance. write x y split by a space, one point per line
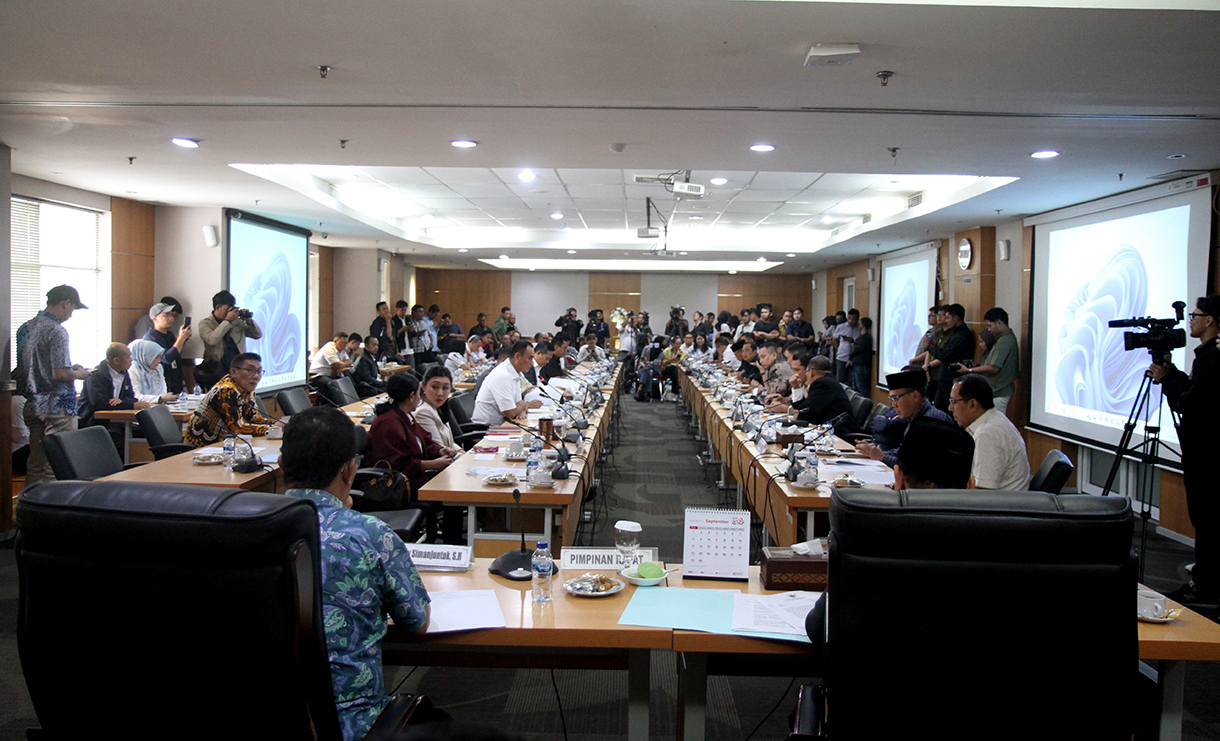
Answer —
493 471
773 613
484 456
465 610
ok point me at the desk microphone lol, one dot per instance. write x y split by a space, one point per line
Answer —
251 464
516 565
561 471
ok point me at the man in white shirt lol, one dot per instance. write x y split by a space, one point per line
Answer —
331 359
590 351
500 396
727 358
846 333
746 328
1000 461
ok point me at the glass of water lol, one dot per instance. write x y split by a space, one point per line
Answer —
627 540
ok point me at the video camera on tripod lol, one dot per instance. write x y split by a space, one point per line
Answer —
1163 335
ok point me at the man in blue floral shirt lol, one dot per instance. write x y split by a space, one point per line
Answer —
366 569
46 377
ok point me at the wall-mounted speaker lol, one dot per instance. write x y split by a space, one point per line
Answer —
1002 247
209 236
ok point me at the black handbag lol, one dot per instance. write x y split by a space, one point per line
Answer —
384 489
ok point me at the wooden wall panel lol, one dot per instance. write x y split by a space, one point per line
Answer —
465 293
974 287
610 290
132 226
326 293
783 292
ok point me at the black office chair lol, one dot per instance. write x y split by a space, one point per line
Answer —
461 405
262 408
960 611
293 401
208 600
465 438
861 408
162 431
83 455
341 391
1054 472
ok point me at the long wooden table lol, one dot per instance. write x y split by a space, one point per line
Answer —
455 487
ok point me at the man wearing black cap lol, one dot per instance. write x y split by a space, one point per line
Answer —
934 455
46 377
164 315
909 403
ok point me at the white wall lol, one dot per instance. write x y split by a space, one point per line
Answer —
356 289
539 298
48 191
659 291
1009 275
185 267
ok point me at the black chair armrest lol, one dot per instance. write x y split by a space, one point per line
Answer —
403 710
467 441
473 427
129 466
807 718
165 451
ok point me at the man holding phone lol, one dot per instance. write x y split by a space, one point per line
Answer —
164 316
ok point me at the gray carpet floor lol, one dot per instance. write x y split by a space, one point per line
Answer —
652 476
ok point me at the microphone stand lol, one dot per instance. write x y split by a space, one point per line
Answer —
251 464
515 565
561 471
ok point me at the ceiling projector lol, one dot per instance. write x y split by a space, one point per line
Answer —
648 232
688 189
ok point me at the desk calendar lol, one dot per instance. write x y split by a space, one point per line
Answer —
716 544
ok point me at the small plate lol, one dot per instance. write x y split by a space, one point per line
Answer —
522 457
798 485
639 581
496 481
847 483
618 587
209 459
1170 616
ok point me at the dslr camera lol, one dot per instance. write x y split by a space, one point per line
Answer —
245 314
1161 336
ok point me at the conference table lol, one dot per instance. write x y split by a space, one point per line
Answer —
457 486
582 633
784 508
127 418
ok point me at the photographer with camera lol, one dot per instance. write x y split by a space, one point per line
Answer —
1197 399
224 334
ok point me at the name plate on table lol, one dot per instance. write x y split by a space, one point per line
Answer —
602 558
435 557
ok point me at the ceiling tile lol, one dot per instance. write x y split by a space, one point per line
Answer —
476 190
591 177
464 175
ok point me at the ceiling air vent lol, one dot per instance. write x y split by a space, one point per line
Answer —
1178 174
915 200
866 218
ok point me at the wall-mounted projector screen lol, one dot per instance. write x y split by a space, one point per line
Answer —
908 285
268 274
1115 262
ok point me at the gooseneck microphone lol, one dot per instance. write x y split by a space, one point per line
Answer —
561 471
517 564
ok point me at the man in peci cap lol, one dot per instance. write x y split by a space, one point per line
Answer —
934 455
46 377
907 395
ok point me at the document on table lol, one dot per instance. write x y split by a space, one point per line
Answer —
492 471
219 450
773 613
707 610
465 610
867 471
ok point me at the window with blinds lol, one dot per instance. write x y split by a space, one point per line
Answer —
52 245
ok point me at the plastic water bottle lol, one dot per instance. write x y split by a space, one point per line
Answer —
531 466
229 450
197 391
542 565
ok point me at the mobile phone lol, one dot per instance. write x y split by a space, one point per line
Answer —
186 322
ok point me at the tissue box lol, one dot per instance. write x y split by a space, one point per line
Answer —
782 568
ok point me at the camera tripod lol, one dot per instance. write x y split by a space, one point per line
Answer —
1145 454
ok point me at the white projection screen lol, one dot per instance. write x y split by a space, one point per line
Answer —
268 274
908 285
1115 262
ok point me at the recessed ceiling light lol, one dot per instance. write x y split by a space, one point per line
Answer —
1176 157
464 143
695 218
1044 154
681 253
571 252
732 272
184 142
533 269
761 259
503 257
557 215
463 250
718 181
762 147
791 254
526 176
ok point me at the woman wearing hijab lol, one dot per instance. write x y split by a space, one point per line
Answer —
146 374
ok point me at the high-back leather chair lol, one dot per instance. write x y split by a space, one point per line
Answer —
1054 472
341 391
964 613
85 454
162 431
293 401
186 612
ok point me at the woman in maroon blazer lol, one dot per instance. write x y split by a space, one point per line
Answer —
397 441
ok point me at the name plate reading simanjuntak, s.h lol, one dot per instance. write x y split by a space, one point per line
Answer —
436 557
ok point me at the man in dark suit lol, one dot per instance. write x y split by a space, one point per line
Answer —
109 388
